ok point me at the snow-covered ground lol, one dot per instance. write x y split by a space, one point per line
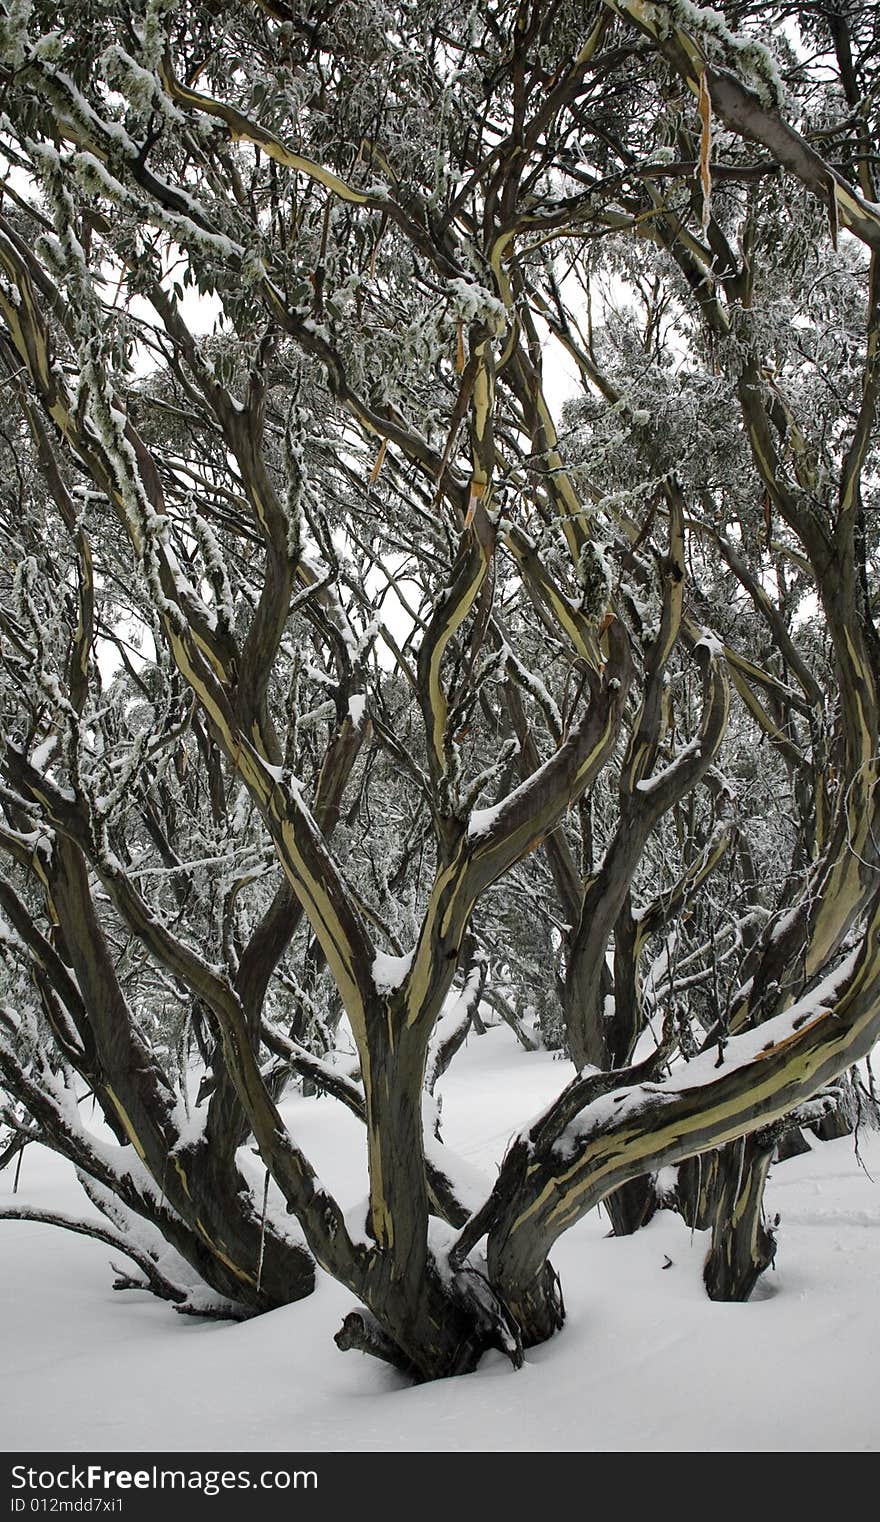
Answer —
644 1362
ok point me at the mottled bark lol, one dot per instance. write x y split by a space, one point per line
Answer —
743 1246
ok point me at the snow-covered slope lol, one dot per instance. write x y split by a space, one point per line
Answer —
644 1363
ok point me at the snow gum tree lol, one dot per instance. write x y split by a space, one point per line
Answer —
438 577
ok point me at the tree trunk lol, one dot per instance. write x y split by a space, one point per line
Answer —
536 1308
632 1205
742 1245
440 1333
696 1189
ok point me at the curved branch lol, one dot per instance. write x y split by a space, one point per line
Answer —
621 1135
157 1283
743 110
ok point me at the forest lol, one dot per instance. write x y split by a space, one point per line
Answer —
438 466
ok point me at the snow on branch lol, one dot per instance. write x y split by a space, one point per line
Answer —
756 1080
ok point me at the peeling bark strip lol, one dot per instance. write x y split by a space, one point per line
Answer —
741 109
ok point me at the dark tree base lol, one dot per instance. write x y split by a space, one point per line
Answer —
539 1310
742 1246
632 1205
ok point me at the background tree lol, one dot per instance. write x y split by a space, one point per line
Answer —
346 677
